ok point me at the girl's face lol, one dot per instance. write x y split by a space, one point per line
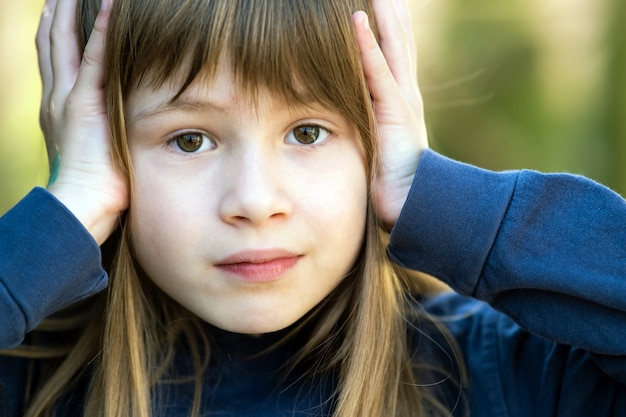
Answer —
247 215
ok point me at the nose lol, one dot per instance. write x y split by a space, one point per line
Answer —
255 189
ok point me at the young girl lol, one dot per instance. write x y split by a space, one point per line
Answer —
265 148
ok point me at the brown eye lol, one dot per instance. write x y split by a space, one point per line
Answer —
190 142
306 134
309 134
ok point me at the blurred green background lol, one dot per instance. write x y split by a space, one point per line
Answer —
507 84
23 160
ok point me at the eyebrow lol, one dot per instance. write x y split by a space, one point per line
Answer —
179 105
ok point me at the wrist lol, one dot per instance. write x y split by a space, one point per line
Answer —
391 190
97 212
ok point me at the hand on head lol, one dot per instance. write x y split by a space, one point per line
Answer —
73 112
74 120
391 73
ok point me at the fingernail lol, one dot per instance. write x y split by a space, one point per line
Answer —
365 21
105 4
360 18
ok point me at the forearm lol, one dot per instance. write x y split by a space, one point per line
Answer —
538 247
47 261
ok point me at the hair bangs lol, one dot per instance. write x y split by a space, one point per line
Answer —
299 50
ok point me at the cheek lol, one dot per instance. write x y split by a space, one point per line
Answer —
337 209
162 223
343 199
150 235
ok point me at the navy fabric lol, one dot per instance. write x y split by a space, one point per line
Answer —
47 262
549 251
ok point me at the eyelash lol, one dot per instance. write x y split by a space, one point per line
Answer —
174 145
328 134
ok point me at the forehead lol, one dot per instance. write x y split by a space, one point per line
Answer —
149 99
219 94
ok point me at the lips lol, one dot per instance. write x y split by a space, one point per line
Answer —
259 265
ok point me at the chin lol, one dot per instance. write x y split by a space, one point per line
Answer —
255 324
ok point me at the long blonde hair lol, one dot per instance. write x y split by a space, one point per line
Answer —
302 50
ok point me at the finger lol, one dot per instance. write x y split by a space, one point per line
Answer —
91 75
65 56
394 40
380 79
405 14
42 41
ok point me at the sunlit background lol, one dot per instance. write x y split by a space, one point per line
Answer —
507 84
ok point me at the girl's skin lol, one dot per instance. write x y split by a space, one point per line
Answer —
250 192
249 218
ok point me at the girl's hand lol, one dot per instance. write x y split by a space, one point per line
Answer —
74 120
391 73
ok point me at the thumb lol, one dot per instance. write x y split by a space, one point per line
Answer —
379 77
91 73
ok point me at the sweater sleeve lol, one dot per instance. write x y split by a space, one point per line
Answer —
548 250
47 261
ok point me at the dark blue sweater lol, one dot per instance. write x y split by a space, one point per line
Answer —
549 251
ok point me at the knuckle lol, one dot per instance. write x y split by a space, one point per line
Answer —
89 59
43 29
381 69
41 40
55 97
59 36
72 103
